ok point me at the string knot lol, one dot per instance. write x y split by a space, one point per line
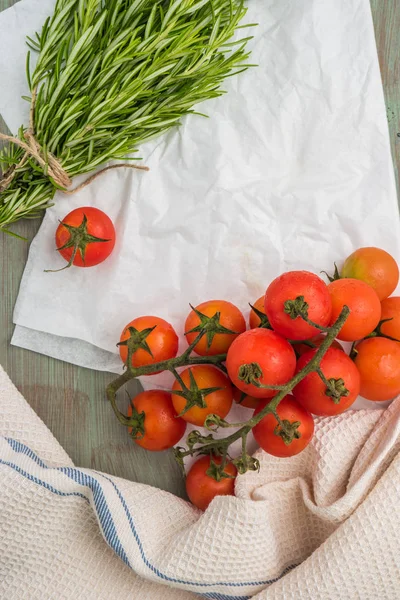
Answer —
50 165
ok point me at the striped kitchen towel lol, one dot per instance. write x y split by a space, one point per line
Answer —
323 524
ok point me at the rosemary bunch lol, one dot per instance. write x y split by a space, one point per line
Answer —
111 74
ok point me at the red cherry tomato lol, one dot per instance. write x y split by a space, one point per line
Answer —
230 319
162 427
290 286
265 348
312 392
201 488
155 341
266 432
364 305
378 361
375 267
85 237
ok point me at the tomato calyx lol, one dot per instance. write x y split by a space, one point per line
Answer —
245 463
136 421
299 308
193 395
376 333
214 422
335 276
194 438
287 430
264 321
209 326
379 333
296 308
250 373
217 471
78 240
335 388
136 340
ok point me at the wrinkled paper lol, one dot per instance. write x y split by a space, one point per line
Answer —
292 170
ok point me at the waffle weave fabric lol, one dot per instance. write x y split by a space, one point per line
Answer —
321 525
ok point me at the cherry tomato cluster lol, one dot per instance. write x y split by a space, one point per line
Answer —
288 326
271 360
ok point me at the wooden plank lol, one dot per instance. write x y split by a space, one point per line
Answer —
386 17
70 400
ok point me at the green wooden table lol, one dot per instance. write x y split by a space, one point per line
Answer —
69 399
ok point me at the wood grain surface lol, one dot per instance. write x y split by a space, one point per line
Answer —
69 399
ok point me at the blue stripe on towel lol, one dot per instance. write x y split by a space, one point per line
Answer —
217 596
107 524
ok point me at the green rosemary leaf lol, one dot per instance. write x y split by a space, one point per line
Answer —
112 74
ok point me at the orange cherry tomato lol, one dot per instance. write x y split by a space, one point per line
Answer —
378 361
201 488
316 341
217 402
364 305
374 266
254 319
244 399
266 432
162 427
391 310
230 319
152 346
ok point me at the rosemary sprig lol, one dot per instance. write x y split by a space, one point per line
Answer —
112 74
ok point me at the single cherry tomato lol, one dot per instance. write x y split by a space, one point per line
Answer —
391 310
202 488
154 340
374 266
260 349
254 319
364 305
222 321
316 342
341 373
378 361
203 382
159 427
85 237
288 287
270 436
244 399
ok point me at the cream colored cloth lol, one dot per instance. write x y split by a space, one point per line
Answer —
322 525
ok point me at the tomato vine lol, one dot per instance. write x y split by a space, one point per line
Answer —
198 443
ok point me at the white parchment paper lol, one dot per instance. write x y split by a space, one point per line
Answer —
292 170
